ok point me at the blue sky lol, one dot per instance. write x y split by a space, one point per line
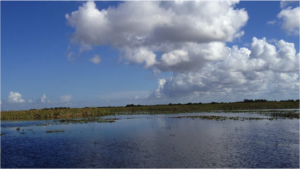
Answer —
145 54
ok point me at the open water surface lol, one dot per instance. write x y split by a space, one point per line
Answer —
153 141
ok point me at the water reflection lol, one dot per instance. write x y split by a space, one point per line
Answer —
154 141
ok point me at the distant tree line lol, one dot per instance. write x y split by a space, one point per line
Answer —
245 101
56 108
132 105
264 100
256 100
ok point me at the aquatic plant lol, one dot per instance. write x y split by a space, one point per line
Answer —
87 120
291 114
221 118
54 131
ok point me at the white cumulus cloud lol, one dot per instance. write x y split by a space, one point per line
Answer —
66 98
141 29
188 38
42 99
14 97
264 70
96 59
290 17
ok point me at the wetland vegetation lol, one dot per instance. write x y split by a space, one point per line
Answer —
221 118
88 112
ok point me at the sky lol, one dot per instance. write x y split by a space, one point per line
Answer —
110 53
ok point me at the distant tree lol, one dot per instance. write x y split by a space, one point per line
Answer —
260 100
287 100
130 105
248 100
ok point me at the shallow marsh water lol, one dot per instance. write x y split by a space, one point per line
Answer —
153 141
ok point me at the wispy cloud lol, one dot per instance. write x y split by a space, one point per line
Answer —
66 98
285 3
271 22
96 59
124 95
42 99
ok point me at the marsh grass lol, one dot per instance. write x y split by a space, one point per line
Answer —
90 112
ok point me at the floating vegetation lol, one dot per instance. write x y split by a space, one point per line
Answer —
81 121
290 115
18 128
2 134
44 124
54 131
87 120
221 118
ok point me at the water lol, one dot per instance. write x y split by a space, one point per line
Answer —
153 141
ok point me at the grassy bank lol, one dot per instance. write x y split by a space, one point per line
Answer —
156 109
